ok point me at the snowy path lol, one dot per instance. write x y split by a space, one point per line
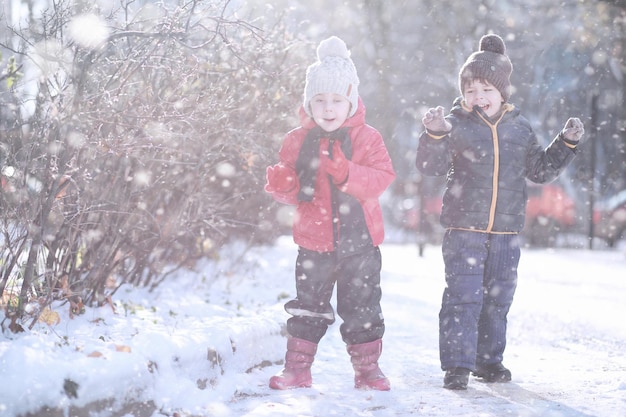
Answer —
187 348
565 349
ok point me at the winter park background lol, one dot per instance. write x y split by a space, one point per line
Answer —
143 271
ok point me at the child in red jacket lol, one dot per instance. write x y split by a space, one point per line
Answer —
333 168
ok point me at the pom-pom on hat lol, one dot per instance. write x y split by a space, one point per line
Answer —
334 72
490 63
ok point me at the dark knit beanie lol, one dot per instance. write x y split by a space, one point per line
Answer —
490 63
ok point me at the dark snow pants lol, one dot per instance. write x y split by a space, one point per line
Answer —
358 296
481 277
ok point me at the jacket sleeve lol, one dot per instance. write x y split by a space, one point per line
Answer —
433 157
545 165
370 171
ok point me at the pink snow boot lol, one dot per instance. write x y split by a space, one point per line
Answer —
367 374
298 361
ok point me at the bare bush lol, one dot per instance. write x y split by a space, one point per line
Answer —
145 150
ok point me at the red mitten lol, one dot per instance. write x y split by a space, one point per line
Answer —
338 166
280 179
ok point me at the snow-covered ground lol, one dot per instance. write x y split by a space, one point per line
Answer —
193 347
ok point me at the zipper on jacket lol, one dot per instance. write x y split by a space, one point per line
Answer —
496 167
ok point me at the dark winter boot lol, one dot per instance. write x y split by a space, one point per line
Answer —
456 378
298 361
367 374
496 372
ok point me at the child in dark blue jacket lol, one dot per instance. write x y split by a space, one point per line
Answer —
487 150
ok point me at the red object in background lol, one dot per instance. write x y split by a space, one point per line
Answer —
430 211
550 201
549 210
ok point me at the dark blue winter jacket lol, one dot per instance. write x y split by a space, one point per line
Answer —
487 163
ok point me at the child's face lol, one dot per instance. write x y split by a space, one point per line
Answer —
329 110
484 95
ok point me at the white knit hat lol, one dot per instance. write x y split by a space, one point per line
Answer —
334 72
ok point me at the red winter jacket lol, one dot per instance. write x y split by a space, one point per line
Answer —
370 173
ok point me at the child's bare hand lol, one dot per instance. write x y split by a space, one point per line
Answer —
573 129
435 121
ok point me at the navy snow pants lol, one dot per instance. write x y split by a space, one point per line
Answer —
358 296
481 277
